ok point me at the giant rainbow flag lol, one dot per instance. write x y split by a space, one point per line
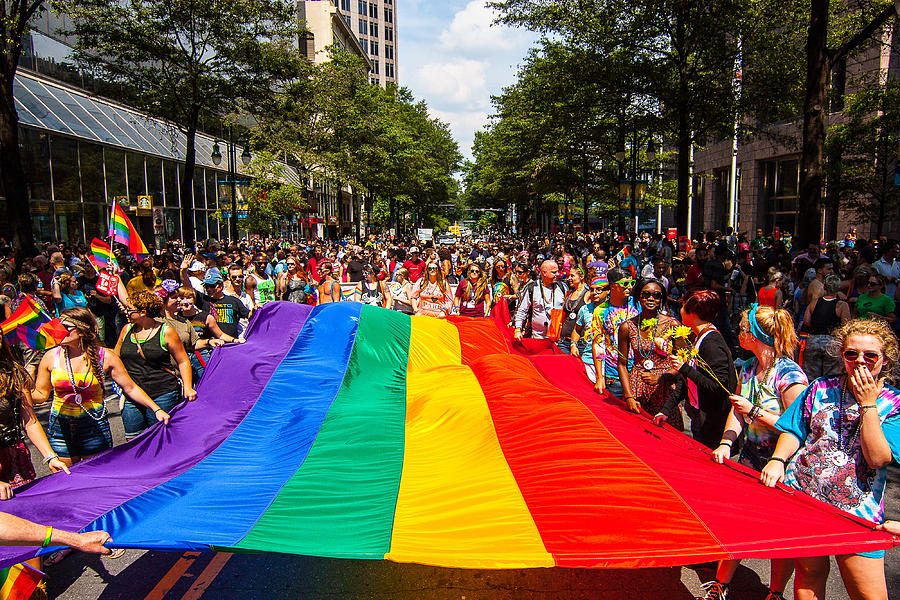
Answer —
356 432
121 230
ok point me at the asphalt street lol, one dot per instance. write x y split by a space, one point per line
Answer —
143 575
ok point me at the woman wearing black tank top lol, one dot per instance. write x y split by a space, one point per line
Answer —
147 348
822 316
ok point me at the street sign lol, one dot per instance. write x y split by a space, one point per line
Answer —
672 233
122 201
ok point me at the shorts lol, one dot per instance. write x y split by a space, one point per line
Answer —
137 417
872 554
78 436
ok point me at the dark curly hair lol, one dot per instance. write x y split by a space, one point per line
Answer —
147 302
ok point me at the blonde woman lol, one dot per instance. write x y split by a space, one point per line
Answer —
473 294
432 293
770 294
770 383
839 438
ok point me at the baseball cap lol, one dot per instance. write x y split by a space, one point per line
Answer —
413 249
197 266
213 276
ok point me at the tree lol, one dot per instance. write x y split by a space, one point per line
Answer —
269 196
186 60
861 155
14 18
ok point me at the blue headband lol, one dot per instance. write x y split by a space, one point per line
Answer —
756 330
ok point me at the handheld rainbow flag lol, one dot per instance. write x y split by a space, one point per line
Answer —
31 325
102 255
19 582
121 230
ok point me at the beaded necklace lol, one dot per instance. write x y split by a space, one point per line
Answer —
756 385
77 390
647 363
846 445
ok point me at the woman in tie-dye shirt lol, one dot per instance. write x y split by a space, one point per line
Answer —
839 437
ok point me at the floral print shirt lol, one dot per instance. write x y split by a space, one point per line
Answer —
829 464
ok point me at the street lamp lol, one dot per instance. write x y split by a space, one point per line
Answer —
246 157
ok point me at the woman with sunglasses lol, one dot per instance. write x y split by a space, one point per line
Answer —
839 437
371 291
73 374
503 285
147 348
433 295
770 382
874 302
473 294
576 297
292 283
644 384
401 292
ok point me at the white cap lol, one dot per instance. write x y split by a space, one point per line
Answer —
413 249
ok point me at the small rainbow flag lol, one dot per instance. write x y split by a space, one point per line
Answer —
101 255
19 582
31 325
121 230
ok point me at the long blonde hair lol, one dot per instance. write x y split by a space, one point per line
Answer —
439 278
778 324
84 321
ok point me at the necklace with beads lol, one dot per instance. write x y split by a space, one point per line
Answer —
77 390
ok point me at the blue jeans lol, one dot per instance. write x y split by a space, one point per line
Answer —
136 417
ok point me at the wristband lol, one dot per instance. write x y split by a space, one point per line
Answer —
157 410
778 459
47 539
862 406
726 443
47 459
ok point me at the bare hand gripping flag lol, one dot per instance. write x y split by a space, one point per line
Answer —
357 432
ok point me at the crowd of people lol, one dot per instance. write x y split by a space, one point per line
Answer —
783 359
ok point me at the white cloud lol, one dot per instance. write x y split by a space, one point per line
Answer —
472 31
462 82
463 124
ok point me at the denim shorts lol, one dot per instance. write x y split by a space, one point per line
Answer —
78 436
136 417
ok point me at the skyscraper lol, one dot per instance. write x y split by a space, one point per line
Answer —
375 23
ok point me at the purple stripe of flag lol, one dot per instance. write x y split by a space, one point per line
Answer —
224 398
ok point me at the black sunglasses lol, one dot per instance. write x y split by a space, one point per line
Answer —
653 295
870 356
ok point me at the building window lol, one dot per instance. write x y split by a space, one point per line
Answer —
374 48
389 34
389 51
389 15
349 23
362 7
373 81
389 2
373 10
363 27
345 5
376 71
389 70
373 29
365 44
781 186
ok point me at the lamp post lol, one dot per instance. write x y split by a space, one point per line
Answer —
231 150
650 156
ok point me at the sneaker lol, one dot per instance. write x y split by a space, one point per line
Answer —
775 595
715 590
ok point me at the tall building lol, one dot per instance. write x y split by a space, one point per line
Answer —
375 24
327 26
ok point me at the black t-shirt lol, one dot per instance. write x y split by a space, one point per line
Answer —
355 270
227 311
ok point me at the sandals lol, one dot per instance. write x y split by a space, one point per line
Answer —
117 553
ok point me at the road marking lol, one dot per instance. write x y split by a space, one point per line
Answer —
208 575
171 578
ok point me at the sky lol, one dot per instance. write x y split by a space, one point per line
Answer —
451 56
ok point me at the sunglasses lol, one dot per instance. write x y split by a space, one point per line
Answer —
871 283
432 268
653 295
474 271
235 277
870 356
625 282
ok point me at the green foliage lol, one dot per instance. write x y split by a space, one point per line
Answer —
861 155
333 121
269 196
487 220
